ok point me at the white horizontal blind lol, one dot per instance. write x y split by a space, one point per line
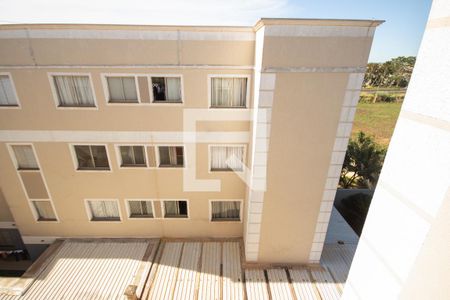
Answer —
140 208
7 96
228 210
104 209
74 91
25 157
227 157
122 89
44 210
228 92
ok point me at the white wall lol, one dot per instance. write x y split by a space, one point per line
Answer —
404 250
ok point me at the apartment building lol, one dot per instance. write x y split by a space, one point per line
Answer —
184 132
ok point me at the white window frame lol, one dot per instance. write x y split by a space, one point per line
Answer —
244 158
163 209
170 145
241 206
55 93
18 106
163 103
119 156
30 204
75 159
104 77
247 95
89 212
127 206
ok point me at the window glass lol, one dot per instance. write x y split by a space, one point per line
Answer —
166 89
25 157
228 92
122 89
175 209
140 209
74 91
7 96
44 211
225 210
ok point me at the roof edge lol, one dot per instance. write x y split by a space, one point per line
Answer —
317 22
260 23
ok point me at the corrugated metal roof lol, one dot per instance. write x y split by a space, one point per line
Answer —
103 269
92 269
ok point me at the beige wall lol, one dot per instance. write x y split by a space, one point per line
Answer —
316 51
40 111
5 213
297 167
69 188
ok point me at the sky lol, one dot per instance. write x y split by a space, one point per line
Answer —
400 35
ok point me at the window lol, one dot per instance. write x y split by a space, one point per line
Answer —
175 209
44 210
104 210
227 158
228 92
171 156
74 91
26 160
7 95
225 210
140 209
91 157
122 90
166 89
132 156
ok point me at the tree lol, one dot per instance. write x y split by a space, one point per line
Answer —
363 162
394 73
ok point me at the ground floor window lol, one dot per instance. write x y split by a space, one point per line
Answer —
104 210
140 209
44 210
225 210
175 209
171 156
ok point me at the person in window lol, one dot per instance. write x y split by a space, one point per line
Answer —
159 91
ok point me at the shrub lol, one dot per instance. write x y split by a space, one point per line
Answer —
354 209
384 97
366 98
362 164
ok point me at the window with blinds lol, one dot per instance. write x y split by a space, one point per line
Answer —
92 157
104 210
225 210
166 89
44 210
25 158
7 95
226 158
171 156
74 91
132 156
228 92
122 89
175 209
140 208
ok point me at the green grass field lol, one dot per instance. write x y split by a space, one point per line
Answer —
376 119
